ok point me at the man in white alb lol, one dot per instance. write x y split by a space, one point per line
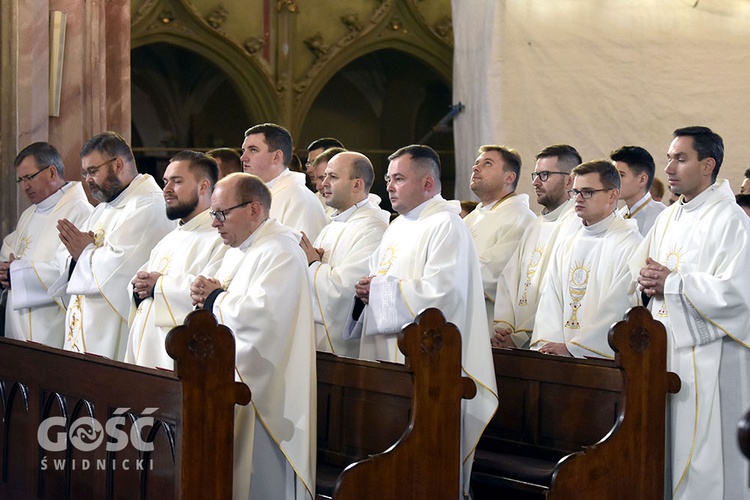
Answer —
519 284
693 266
110 246
319 165
501 216
28 264
315 149
587 286
341 253
261 293
160 297
266 152
427 259
637 169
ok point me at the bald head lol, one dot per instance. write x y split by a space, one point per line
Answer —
348 179
239 204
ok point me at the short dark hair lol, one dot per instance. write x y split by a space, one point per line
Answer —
111 143
424 158
325 143
567 156
251 188
276 137
638 159
743 200
747 173
327 155
228 156
362 169
510 156
608 174
45 154
707 143
202 165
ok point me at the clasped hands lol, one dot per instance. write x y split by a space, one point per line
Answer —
201 288
73 238
5 271
143 283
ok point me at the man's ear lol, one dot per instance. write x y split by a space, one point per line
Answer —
204 186
709 166
643 179
510 177
53 174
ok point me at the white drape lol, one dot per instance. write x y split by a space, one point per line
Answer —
599 75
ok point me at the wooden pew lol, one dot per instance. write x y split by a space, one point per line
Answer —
191 431
413 411
577 428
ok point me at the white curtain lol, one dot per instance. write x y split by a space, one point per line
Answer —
600 74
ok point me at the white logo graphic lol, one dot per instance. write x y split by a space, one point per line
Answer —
86 433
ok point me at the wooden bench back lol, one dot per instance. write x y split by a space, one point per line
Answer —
554 403
635 447
602 422
408 416
188 416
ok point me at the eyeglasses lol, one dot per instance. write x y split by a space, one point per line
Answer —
91 171
544 175
221 215
586 193
27 178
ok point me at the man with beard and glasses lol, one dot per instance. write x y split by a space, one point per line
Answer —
519 284
159 293
110 246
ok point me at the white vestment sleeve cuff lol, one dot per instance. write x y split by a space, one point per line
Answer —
82 280
28 291
388 312
680 330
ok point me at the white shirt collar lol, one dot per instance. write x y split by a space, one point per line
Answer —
283 173
47 204
415 212
346 214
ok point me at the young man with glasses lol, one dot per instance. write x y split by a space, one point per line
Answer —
108 249
518 286
261 293
315 149
28 265
588 285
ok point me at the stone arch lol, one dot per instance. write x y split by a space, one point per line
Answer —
379 101
435 55
258 98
